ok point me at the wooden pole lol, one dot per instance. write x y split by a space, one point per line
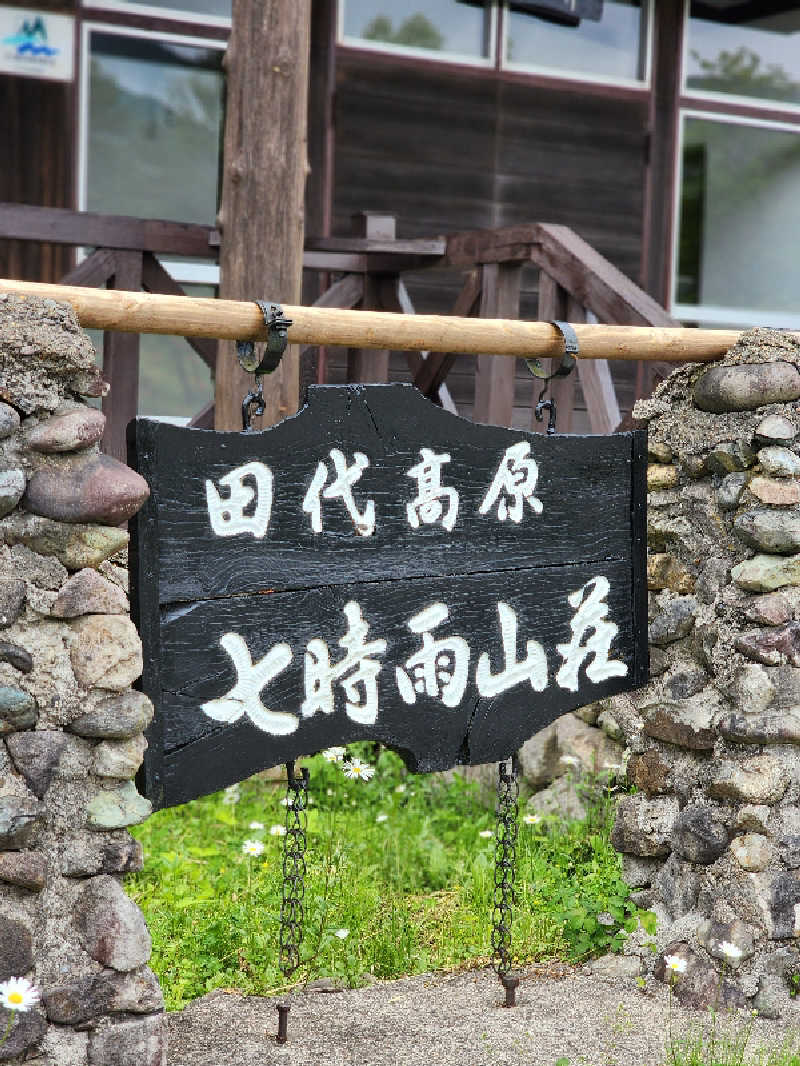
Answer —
263 183
185 316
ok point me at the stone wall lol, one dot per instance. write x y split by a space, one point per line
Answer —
712 836
70 724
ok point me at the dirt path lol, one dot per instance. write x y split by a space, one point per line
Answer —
437 1020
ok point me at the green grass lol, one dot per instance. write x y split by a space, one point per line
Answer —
413 889
729 1047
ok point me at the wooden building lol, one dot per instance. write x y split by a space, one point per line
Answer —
666 134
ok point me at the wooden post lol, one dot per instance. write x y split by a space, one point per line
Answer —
121 362
494 378
263 181
365 364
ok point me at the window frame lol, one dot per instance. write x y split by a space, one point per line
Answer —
714 315
644 83
171 14
426 54
186 271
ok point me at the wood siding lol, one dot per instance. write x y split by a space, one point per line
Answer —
445 148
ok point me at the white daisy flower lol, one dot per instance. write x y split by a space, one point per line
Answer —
675 964
253 847
532 819
730 951
277 830
400 788
486 833
343 934
285 802
333 754
381 817
328 791
256 825
17 993
231 795
355 768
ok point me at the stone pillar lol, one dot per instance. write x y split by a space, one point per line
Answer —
70 724
712 836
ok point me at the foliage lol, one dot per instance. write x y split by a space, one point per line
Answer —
416 31
398 862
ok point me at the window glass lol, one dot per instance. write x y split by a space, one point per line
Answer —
460 27
744 56
612 46
155 125
738 202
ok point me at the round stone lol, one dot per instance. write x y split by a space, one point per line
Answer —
94 488
775 429
68 431
770 531
698 836
779 462
746 387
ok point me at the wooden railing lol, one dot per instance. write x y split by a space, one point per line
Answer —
576 283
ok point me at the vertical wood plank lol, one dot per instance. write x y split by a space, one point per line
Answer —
121 362
494 376
598 387
365 364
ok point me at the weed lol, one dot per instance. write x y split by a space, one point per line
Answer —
397 864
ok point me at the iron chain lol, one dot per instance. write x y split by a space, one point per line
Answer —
505 856
294 870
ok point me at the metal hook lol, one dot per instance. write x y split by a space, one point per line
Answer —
546 405
254 398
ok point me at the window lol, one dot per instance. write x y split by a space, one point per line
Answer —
743 55
611 47
152 126
735 262
460 29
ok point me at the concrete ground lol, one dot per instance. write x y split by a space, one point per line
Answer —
448 1020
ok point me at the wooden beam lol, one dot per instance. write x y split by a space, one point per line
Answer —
599 393
470 249
418 359
95 269
662 146
494 378
156 279
204 419
593 280
138 312
263 181
59 225
432 371
121 363
365 364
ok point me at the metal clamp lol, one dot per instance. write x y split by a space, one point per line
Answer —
277 339
565 367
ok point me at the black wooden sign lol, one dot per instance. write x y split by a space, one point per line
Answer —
376 568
